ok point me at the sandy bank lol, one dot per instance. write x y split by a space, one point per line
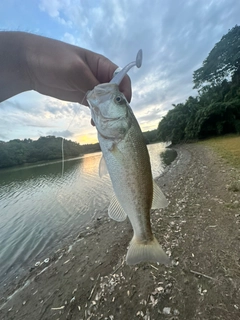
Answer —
199 229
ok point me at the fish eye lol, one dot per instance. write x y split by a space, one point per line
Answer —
119 100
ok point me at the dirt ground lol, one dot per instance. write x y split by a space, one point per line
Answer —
200 229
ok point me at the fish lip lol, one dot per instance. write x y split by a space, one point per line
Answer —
103 136
104 118
114 119
113 138
110 119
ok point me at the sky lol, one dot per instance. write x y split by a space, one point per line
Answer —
175 36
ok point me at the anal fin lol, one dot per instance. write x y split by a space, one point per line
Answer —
115 211
159 199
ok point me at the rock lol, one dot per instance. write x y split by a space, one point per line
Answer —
73 299
166 310
176 312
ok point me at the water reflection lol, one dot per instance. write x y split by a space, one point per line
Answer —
40 208
90 164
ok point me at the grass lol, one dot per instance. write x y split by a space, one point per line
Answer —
228 147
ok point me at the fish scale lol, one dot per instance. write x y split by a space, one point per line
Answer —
126 158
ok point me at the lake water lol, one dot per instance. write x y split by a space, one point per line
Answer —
40 208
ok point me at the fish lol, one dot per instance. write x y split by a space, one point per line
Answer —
126 159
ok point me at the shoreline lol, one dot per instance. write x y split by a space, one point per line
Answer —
89 279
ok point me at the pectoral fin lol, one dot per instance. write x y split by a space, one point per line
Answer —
102 168
159 199
115 211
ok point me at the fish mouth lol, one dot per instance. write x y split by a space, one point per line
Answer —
103 118
105 136
110 119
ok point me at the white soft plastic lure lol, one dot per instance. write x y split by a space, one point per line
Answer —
127 160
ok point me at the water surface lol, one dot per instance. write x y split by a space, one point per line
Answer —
40 209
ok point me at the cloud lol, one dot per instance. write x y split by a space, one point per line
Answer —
55 9
176 36
64 134
2 136
174 44
52 7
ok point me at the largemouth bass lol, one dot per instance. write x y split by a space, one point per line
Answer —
126 158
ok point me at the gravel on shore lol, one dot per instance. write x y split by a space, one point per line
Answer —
200 230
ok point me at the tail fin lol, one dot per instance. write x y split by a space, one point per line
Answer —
152 251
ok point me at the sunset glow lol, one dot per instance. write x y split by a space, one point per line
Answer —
172 50
86 139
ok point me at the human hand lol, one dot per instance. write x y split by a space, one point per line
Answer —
65 71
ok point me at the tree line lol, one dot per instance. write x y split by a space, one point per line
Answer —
216 108
16 152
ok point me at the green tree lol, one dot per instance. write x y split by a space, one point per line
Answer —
222 62
16 152
150 136
216 109
171 128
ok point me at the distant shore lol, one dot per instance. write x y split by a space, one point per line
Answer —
89 279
